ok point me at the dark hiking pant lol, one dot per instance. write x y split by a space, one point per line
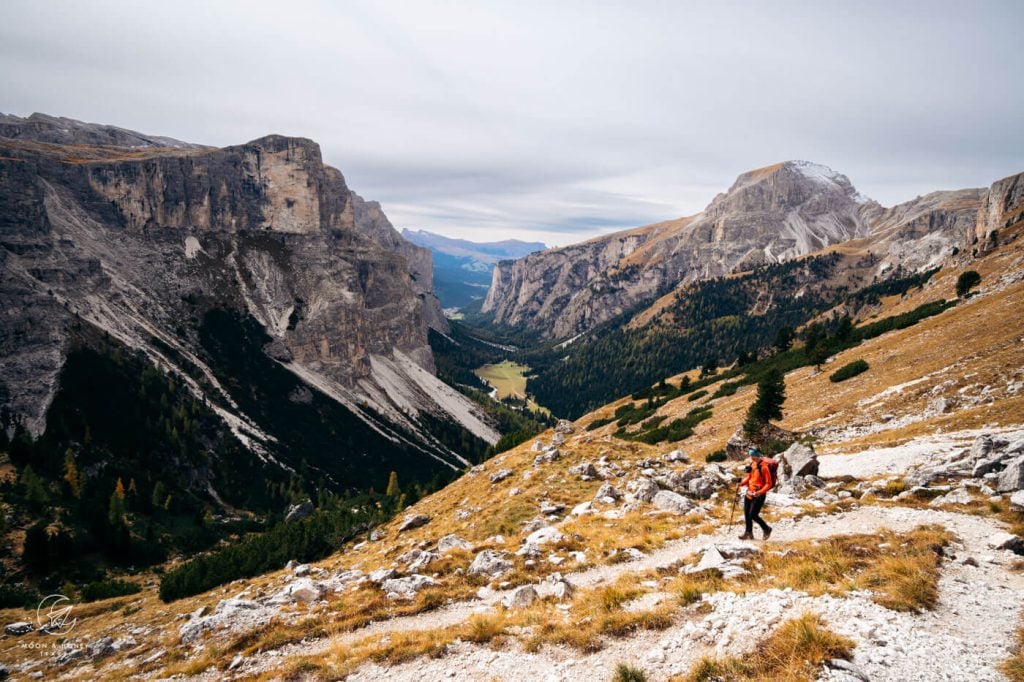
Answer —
752 512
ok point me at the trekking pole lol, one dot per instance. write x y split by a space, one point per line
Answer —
732 512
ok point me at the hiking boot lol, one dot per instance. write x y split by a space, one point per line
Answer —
767 533
747 536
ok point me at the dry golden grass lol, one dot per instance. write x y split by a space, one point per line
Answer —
1013 667
793 653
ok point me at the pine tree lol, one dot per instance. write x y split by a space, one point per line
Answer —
159 495
36 551
771 394
115 513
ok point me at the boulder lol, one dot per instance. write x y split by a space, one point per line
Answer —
958 496
549 455
544 536
736 549
537 446
228 612
417 559
382 574
557 587
607 494
413 521
548 508
558 439
18 629
702 488
408 587
101 648
564 426
1012 477
303 589
584 470
520 598
643 488
710 559
1017 500
500 475
297 512
676 456
673 502
490 563
450 542
582 509
798 460
1007 541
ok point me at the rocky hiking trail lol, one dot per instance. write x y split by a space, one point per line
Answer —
965 637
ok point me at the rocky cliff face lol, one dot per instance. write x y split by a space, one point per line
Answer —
142 241
769 215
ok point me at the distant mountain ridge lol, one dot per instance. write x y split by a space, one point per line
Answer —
462 268
769 215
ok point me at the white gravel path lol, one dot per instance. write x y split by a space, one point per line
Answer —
963 639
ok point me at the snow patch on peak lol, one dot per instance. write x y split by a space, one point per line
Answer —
824 174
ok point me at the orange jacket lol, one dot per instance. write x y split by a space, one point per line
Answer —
759 480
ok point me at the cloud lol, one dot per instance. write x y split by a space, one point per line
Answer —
552 120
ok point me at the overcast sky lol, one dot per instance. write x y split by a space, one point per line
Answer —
547 120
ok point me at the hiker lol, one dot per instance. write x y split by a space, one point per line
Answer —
759 481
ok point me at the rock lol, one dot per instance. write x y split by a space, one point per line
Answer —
674 502
1012 477
18 629
702 488
520 598
848 668
710 559
233 611
300 570
558 439
500 475
582 509
101 648
380 575
416 559
376 535
537 446
958 496
450 542
1007 541
490 563
584 470
514 491
303 589
676 456
643 488
798 460
564 427
557 587
297 512
1017 500
414 521
236 661
813 481
736 549
408 587
548 508
607 494
544 536
69 656
549 455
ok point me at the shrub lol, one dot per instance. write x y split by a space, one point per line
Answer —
716 456
967 281
697 396
106 589
849 370
627 673
598 423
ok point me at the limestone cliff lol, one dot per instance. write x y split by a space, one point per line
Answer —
142 240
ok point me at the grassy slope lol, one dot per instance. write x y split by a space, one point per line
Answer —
973 344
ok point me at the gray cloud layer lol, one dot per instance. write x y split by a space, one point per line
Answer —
547 120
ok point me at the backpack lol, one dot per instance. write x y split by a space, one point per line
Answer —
772 465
